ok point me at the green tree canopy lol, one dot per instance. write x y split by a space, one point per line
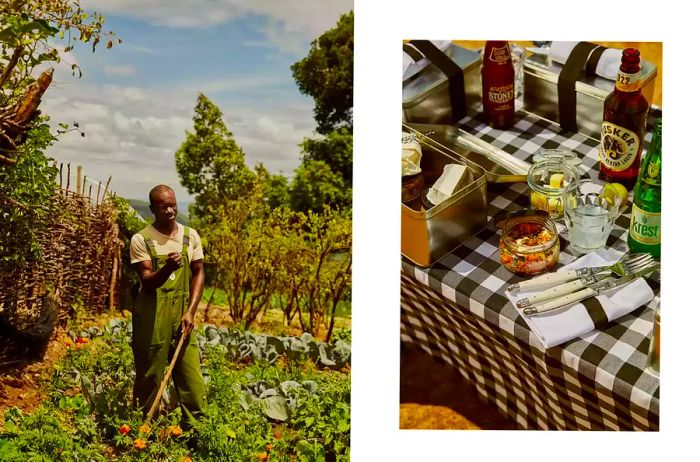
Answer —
209 162
326 75
315 184
335 150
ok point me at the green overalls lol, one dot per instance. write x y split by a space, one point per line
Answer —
156 320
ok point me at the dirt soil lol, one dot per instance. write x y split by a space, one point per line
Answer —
445 400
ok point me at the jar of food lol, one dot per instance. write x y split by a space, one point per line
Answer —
547 180
529 242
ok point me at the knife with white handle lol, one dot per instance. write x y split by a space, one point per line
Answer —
560 290
595 289
561 301
551 279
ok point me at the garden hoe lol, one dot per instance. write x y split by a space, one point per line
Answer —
166 379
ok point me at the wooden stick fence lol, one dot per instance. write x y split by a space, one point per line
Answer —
79 268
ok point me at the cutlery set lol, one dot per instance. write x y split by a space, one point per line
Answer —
573 286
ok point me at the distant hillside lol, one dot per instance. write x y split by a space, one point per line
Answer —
142 208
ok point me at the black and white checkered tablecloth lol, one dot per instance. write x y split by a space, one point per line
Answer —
457 310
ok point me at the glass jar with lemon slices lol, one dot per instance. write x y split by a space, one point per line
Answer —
547 180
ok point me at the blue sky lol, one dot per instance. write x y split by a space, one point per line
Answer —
135 101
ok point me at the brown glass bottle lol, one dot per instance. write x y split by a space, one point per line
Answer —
498 84
624 124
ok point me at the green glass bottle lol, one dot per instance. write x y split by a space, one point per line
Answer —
645 227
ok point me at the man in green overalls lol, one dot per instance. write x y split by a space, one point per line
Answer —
169 261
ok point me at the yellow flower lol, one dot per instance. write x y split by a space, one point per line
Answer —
262 457
145 428
186 459
175 430
139 443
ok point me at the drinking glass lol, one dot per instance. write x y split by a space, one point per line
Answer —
589 214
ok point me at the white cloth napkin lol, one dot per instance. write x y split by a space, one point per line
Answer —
421 63
563 324
608 65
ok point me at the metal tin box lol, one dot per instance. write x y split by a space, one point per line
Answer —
541 93
428 235
426 97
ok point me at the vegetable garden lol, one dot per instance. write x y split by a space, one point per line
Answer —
273 251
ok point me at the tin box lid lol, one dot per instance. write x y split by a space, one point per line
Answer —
543 67
431 79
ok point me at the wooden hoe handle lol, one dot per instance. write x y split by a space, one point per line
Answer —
166 379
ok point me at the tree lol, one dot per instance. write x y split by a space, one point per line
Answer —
335 150
31 33
326 75
315 185
210 163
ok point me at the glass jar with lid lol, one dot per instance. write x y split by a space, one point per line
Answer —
529 242
547 180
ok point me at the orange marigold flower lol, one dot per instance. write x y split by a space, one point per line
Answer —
268 447
139 443
145 428
175 430
278 435
262 457
82 340
124 429
186 459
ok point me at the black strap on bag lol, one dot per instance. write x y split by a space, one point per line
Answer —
566 85
593 59
454 73
412 52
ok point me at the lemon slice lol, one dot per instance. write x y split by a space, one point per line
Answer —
556 180
613 190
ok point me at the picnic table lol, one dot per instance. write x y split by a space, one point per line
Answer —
457 310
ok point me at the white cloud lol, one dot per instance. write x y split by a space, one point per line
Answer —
301 20
123 69
132 133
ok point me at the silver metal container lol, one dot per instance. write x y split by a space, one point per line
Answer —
541 95
428 235
426 96
500 166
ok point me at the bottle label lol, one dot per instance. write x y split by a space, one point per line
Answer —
653 170
645 227
500 55
502 94
628 82
619 147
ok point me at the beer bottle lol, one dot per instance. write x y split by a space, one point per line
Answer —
624 124
498 84
645 227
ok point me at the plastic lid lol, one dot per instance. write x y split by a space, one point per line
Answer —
500 219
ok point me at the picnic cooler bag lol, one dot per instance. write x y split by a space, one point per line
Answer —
442 91
572 94
428 235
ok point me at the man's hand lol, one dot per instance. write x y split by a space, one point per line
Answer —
174 261
187 323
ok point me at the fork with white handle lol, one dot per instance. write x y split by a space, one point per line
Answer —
596 288
628 263
580 283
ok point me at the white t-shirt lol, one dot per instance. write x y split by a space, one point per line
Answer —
164 244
